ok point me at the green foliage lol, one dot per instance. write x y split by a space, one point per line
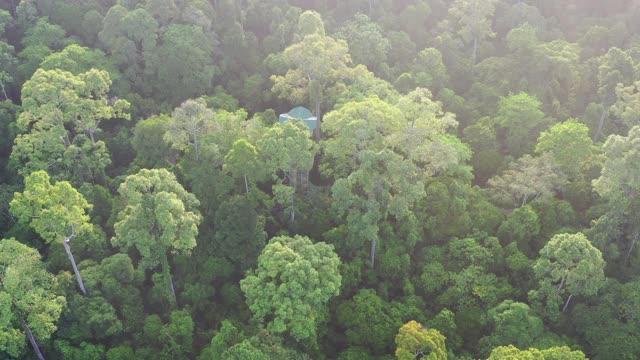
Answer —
459 138
291 286
522 120
28 298
414 340
568 264
54 101
511 352
512 325
369 321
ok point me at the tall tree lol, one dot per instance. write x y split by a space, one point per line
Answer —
287 148
318 66
243 161
159 216
527 179
366 41
568 264
56 212
414 341
54 102
474 18
291 286
29 305
189 124
615 67
569 144
130 37
182 65
384 185
619 182
521 119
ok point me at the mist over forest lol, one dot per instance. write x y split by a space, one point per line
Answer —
319 179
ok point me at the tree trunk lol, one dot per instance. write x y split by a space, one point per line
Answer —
475 51
167 274
67 248
318 115
32 339
600 126
561 285
633 243
93 140
3 91
567 303
293 209
373 251
292 183
246 183
195 144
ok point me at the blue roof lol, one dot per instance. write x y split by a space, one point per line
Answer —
300 113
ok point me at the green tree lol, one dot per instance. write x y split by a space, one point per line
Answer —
553 353
527 179
243 161
182 65
291 286
131 38
414 341
522 120
370 322
627 104
174 338
615 67
474 20
430 71
568 264
29 305
189 124
159 216
384 185
366 41
618 181
512 324
240 234
56 212
354 128
148 141
317 68
569 144
54 101
287 148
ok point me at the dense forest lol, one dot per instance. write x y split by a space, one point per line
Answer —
465 183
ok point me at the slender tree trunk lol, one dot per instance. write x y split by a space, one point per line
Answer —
167 274
3 91
13 8
318 115
567 303
293 209
246 183
67 248
373 251
600 125
91 132
475 51
633 243
292 180
195 144
561 285
32 339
